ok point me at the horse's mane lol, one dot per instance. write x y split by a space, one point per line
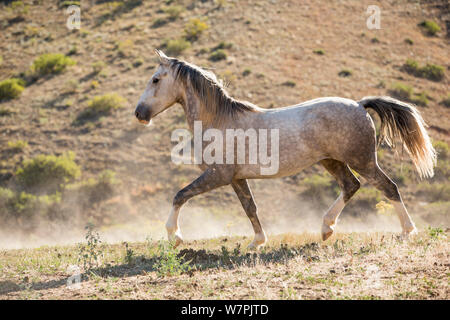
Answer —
218 105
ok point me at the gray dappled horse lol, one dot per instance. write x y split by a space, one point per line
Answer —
336 132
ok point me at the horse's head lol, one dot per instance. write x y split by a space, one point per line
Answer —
161 92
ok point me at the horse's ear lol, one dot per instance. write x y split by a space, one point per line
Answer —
162 57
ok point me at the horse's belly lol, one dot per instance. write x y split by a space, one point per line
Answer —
292 159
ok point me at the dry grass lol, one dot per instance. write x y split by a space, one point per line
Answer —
349 266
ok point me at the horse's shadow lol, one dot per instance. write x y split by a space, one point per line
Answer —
140 266
197 260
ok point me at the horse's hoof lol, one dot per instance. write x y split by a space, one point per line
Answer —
254 245
175 238
178 241
259 241
406 234
327 231
411 230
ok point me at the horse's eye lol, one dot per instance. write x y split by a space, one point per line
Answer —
155 80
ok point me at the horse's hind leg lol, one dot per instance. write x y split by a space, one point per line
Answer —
244 194
348 183
381 181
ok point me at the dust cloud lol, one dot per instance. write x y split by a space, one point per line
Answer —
288 215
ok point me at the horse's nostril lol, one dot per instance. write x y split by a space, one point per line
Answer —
137 114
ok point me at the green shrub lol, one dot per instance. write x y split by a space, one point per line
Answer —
381 84
66 4
72 51
100 106
220 3
430 27
420 99
5 199
446 101
168 262
18 145
176 46
289 83
402 174
223 45
246 72
345 73
70 87
93 190
429 71
106 103
23 204
94 84
19 8
409 41
138 62
32 32
90 255
436 212
218 55
406 93
318 187
441 148
320 52
436 233
411 66
384 208
11 88
433 72
26 210
98 66
442 169
433 192
401 91
47 173
124 48
173 12
51 63
367 198
5 112
159 22
194 28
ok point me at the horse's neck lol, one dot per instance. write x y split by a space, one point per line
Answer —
194 111
192 107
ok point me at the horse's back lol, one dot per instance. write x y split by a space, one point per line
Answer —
330 127
328 112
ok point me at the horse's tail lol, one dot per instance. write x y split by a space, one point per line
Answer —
402 121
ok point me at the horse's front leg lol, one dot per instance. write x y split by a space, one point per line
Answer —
211 179
244 194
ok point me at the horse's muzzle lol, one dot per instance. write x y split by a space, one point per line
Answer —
142 113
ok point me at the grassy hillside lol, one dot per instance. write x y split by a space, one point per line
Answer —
72 152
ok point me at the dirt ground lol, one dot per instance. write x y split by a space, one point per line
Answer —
350 266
